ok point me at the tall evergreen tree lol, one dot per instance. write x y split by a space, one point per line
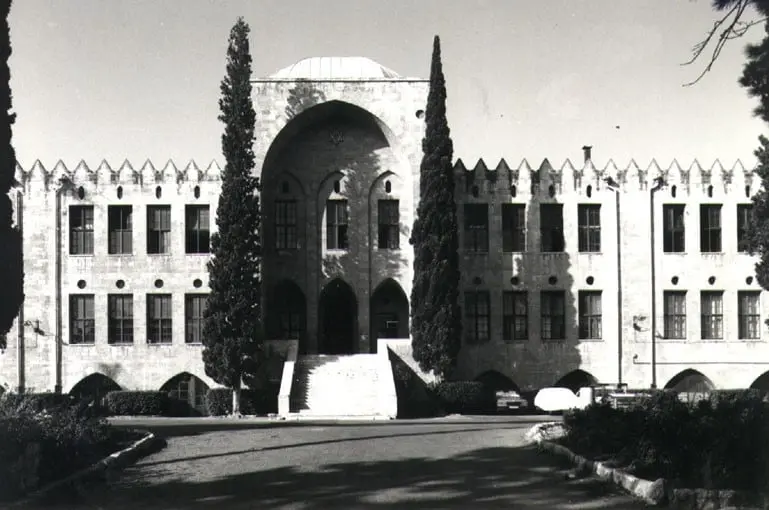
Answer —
12 272
232 330
436 321
755 78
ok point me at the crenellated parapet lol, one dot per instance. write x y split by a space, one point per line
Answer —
570 178
104 175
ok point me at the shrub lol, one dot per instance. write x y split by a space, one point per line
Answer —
465 397
252 402
68 441
11 403
718 443
138 403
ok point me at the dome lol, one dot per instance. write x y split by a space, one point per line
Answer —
336 68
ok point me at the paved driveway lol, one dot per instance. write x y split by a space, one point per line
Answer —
470 463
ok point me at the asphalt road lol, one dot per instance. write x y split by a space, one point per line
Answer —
460 463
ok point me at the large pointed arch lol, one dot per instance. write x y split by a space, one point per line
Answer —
388 312
287 312
338 318
576 379
497 381
761 383
188 389
94 387
690 381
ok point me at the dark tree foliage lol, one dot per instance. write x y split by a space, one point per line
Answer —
436 321
12 271
232 330
755 78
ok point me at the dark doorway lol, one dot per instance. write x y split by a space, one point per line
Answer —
338 313
286 313
575 380
389 312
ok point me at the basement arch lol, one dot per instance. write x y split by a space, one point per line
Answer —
497 381
761 383
187 388
690 381
576 379
94 387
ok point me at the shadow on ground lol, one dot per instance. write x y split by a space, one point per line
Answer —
499 477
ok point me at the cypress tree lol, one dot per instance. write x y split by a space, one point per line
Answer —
436 321
755 78
232 330
12 272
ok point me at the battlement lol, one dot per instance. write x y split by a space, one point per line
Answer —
569 177
126 173
503 177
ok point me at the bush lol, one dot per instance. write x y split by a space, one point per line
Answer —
68 441
138 403
718 443
252 402
11 403
465 397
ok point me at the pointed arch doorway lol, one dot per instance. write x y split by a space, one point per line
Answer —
338 319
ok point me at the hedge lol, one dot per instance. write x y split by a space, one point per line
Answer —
138 403
252 402
10 403
465 397
721 442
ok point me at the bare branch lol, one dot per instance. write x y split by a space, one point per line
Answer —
730 26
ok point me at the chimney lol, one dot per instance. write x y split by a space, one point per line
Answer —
586 150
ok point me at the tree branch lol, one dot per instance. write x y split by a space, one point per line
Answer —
729 26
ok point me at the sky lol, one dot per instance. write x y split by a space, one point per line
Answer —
138 79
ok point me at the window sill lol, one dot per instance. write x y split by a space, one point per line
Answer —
591 340
679 253
120 254
80 254
705 253
80 344
159 344
166 254
194 344
590 252
337 251
198 254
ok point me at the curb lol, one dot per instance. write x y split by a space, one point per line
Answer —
655 493
115 460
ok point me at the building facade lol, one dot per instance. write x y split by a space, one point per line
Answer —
557 264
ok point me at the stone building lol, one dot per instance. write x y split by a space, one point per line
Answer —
556 263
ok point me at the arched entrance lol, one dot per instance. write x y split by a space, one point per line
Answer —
94 387
389 312
690 381
189 389
286 313
575 380
338 314
761 383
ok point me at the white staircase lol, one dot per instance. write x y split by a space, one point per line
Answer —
348 386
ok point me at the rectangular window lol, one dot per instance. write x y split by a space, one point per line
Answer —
744 217
590 315
337 225
120 319
389 225
194 306
674 236
515 313
158 229
749 314
712 315
120 224
81 230
513 227
710 228
159 319
285 225
81 319
477 316
589 218
476 231
553 314
197 228
551 227
675 314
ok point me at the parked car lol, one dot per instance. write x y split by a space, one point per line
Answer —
510 400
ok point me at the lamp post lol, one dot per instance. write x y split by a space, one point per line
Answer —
614 186
659 183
